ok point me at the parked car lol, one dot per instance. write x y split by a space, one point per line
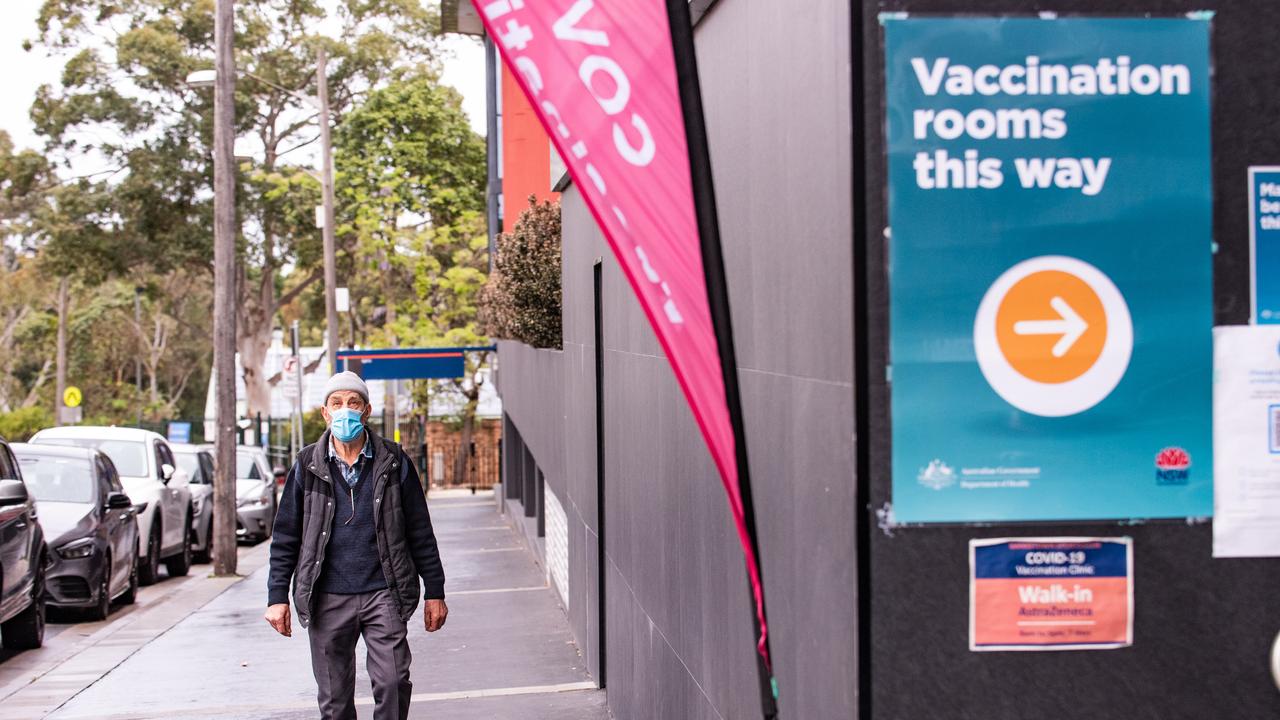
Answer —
22 560
88 523
151 477
198 464
256 493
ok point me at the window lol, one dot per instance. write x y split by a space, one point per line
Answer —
247 467
55 478
190 462
113 477
128 456
164 456
8 468
206 466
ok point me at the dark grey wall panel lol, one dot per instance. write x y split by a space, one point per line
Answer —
1203 626
680 635
531 383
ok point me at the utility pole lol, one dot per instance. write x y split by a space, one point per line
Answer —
326 185
61 372
137 356
224 279
296 427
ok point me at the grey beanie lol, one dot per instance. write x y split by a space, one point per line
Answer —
345 380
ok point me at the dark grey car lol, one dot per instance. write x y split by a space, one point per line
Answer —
22 560
89 524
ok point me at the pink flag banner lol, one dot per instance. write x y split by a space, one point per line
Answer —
602 77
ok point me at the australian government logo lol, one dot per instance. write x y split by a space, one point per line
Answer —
1173 466
937 475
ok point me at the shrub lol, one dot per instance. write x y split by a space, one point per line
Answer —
521 300
21 424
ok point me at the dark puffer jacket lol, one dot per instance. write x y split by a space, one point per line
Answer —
406 543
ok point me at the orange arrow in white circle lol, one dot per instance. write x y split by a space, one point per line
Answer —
1069 325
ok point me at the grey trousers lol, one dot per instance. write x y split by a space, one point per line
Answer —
336 623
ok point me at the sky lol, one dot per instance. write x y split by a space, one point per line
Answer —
24 72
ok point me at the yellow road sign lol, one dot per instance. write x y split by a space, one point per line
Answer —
71 396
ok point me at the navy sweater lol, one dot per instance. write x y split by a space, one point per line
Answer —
351 563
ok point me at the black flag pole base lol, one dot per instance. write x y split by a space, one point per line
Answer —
769 691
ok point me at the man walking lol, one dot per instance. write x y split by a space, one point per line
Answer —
354 535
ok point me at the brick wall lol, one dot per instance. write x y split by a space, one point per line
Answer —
443 446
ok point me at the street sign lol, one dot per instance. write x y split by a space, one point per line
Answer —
71 397
179 432
289 377
406 363
71 415
1050 267
342 299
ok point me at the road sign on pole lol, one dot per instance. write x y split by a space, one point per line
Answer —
71 397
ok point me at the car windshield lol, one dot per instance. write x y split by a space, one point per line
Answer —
246 468
57 479
129 456
190 462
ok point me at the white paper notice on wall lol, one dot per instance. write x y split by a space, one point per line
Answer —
1246 441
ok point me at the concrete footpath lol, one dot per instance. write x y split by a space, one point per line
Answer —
506 651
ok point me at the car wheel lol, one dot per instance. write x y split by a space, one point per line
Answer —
102 608
206 555
26 630
180 564
130 595
149 567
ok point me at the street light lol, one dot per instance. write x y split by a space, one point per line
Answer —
207 78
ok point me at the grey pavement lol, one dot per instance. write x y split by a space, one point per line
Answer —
506 651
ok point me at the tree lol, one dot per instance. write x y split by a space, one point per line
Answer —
123 99
412 179
522 299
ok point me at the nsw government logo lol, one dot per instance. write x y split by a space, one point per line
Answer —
937 475
1173 466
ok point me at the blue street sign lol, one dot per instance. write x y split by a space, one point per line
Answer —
407 363
180 432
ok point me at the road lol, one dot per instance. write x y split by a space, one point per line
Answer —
198 647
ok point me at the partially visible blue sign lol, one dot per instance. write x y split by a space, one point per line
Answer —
180 432
1264 243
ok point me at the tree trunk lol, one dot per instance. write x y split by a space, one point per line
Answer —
253 341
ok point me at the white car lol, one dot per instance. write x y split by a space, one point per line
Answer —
153 480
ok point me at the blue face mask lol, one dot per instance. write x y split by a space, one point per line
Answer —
346 424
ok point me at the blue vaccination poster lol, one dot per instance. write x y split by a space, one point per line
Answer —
1050 267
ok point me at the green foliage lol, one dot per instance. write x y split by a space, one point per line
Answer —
313 425
409 147
123 102
21 424
522 298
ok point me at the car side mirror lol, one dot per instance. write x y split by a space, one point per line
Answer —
118 501
166 473
13 492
